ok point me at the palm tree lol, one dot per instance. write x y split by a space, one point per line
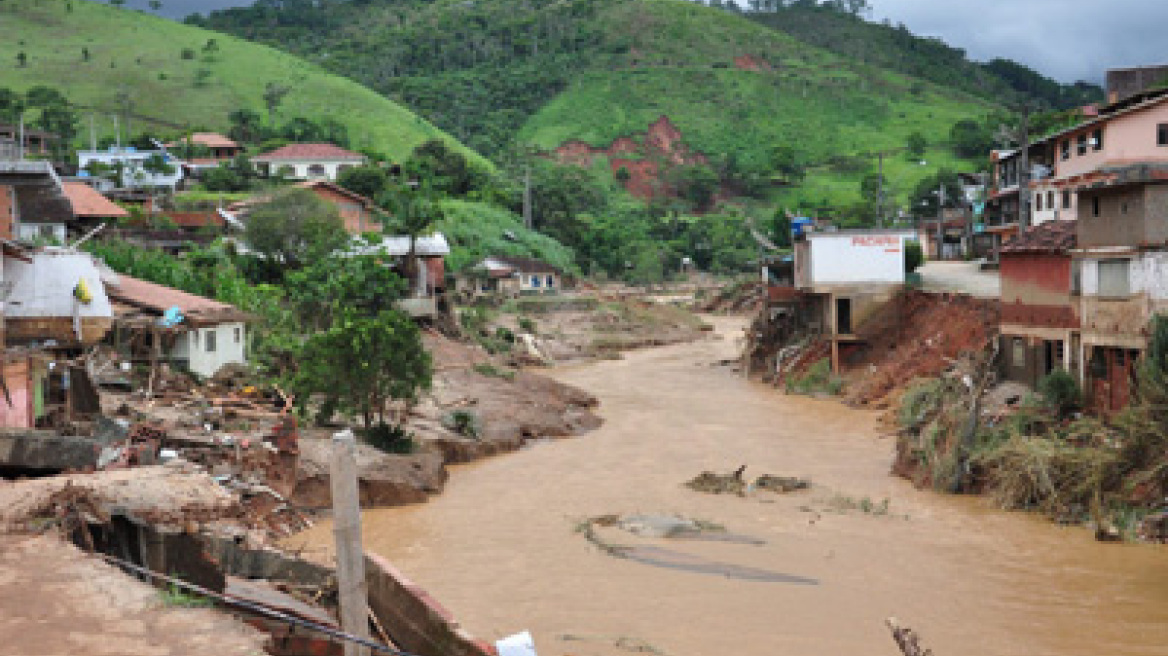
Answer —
413 213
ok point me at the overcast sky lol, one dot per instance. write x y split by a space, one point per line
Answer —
1068 40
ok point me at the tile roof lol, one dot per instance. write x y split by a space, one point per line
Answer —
310 151
88 202
208 139
157 299
338 189
1048 237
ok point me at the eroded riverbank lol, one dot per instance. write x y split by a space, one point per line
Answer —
499 546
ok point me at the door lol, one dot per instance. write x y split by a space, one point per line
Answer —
843 316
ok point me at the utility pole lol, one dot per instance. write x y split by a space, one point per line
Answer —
92 134
352 589
880 200
527 195
940 220
1024 170
20 150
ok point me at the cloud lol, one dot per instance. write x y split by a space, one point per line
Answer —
1068 40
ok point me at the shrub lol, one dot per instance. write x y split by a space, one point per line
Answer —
1061 391
463 422
491 371
817 379
914 256
527 325
390 438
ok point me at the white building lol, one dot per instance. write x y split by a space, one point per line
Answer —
308 161
133 162
851 257
200 334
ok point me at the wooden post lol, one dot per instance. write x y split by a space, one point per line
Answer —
351 587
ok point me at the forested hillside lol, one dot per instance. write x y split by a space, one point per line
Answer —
508 75
164 77
896 48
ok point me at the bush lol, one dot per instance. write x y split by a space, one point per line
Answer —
463 422
817 379
390 438
1061 391
527 325
914 256
491 371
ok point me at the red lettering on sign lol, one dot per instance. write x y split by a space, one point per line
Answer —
876 240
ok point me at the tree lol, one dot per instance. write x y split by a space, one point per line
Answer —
84 53
273 96
157 164
117 3
361 363
236 175
445 169
413 212
155 5
294 227
698 185
11 106
319 290
245 126
21 59
787 164
916 145
870 187
369 181
971 139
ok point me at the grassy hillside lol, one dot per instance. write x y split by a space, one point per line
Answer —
135 65
498 73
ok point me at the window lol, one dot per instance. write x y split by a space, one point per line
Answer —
1076 277
1067 199
1038 201
1097 139
1113 278
1082 144
316 171
551 282
1050 200
1162 134
209 341
238 334
535 280
1123 207
1018 352
1094 206
1066 149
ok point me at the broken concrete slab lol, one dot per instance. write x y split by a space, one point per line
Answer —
43 451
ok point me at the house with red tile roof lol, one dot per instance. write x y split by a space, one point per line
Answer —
308 161
89 205
218 146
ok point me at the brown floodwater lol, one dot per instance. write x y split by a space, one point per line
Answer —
501 547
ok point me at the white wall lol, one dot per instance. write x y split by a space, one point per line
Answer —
44 287
300 168
192 347
842 258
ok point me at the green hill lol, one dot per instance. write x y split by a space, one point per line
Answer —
503 73
110 61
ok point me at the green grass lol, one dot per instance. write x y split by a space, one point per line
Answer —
134 51
478 230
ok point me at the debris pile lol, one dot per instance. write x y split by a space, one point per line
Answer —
739 298
736 483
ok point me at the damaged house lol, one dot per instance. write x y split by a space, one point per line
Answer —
1039 303
160 324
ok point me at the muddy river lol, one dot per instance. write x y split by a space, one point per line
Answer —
500 547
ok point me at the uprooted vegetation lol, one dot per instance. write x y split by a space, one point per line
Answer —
1109 472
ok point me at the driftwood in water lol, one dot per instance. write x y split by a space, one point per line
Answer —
906 639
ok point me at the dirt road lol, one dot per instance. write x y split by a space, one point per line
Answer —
816 572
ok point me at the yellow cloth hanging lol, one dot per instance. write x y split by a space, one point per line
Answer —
81 292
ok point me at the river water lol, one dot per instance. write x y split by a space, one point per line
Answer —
500 548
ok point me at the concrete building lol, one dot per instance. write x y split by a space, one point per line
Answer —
1123 83
1039 300
840 279
33 205
308 161
133 163
1121 265
158 323
54 295
1134 129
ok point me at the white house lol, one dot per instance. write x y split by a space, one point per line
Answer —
133 161
197 333
308 161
